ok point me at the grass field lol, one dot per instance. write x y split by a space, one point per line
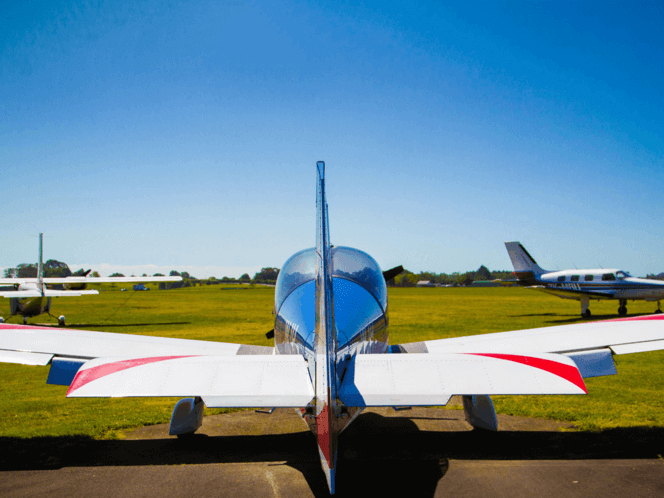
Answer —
29 407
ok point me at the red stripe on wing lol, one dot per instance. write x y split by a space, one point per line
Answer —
567 372
88 375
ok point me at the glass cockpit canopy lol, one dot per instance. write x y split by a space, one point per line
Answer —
351 264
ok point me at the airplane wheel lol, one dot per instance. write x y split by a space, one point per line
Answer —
25 320
622 310
61 321
658 311
2 320
586 314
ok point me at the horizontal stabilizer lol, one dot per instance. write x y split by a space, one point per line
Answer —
222 381
20 294
431 379
69 293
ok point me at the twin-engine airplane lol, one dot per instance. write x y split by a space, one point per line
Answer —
583 285
331 357
32 297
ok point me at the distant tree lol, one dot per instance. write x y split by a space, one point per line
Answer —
56 269
267 274
226 279
117 275
95 274
245 277
174 273
158 275
10 272
184 274
79 273
144 275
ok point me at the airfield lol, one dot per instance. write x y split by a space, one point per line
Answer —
608 443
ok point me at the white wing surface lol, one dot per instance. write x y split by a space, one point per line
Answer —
558 339
21 294
86 280
87 344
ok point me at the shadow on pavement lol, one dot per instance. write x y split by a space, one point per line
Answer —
377 454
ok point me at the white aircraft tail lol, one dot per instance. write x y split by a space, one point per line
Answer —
325 345
525 267
40 266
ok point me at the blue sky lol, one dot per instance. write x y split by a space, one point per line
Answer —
141 136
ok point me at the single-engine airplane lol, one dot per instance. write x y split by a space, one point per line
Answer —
32 297
583 285
331 357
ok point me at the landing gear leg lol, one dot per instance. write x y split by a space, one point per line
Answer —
622 310
658 310
25 320
585 312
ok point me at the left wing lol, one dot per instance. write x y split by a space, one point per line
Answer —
103 364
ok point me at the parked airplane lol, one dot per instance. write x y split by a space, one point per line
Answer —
32 297
331 357
583 285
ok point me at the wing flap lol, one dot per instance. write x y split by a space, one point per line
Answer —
431 379
223 381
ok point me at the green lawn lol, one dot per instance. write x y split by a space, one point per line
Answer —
30 407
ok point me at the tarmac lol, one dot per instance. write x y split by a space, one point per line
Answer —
423 452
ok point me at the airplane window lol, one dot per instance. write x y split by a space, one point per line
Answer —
357 266
622 274
561 279
608 276
589 278
575 278
351 264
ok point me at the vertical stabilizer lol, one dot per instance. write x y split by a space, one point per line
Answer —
325 340
40 266
525 267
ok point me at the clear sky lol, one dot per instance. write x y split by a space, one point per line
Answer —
184 135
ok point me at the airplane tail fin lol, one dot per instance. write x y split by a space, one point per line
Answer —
525 267
40 266
325 346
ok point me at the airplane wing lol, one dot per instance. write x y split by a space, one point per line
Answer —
574 294
87 280
103 364
590 344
